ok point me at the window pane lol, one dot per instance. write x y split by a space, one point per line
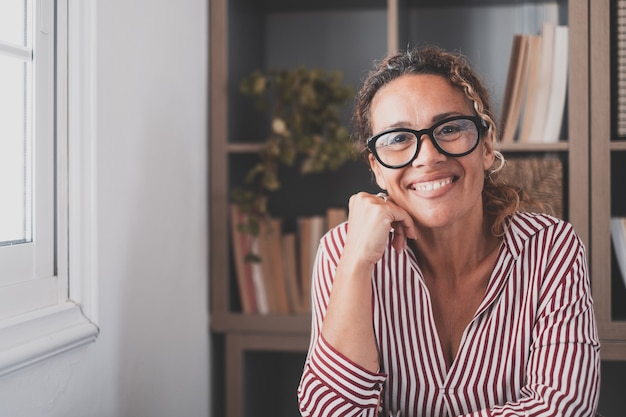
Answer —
15 209
13 21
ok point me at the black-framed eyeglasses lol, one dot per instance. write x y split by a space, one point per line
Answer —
455 136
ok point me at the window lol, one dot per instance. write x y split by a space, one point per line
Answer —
47 179
26 160
15 104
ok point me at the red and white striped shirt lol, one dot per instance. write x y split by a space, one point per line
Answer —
531 349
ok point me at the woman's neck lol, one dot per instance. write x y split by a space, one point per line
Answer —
454 251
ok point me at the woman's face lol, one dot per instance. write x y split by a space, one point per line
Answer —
437 190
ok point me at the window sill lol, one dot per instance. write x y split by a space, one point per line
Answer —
33 337
30 338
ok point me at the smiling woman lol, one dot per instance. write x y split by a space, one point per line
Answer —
445 298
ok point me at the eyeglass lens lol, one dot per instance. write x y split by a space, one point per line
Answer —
454 137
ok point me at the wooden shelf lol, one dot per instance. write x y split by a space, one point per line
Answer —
618 145
238 322
244 147
313 5
237 346
614 350
561 146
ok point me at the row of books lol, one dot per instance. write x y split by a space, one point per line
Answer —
534 97
276 279
618 236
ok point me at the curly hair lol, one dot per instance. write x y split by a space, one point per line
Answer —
500 199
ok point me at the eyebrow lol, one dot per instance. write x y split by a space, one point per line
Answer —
434 120
442 116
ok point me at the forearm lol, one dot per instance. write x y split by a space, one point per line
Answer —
348 323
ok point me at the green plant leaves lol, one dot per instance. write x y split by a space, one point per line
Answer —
304 107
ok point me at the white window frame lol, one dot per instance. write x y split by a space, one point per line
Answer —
32 337
28 279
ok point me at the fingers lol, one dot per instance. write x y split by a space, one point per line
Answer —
398 239
372 217
402 227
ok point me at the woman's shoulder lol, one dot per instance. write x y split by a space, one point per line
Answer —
523 226
533 221
333 241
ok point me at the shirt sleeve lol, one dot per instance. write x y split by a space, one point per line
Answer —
331 384
562 373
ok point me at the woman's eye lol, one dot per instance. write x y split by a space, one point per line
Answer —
400 138
395 139
450 129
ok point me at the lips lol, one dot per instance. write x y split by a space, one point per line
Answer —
432 185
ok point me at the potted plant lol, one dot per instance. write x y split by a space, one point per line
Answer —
304 107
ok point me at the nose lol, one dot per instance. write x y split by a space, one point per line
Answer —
427 153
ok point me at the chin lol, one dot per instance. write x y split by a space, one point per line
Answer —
435 221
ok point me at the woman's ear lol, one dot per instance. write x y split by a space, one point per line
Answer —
377 171
489 156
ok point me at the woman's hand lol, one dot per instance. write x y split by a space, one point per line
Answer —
371 218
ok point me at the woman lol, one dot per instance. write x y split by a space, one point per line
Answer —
440 297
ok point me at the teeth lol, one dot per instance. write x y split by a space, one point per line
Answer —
433 185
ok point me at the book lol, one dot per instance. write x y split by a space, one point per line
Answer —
527 114
618 236
310 231
270 252
515 87
558 86
290 273
510 82
258 281
243 269
335 216
542 85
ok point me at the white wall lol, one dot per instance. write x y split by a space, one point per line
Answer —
151 358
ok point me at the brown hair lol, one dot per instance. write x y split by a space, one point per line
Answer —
500 199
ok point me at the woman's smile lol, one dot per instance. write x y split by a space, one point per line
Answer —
432 185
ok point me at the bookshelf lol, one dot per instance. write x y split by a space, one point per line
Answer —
349 35
608 159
